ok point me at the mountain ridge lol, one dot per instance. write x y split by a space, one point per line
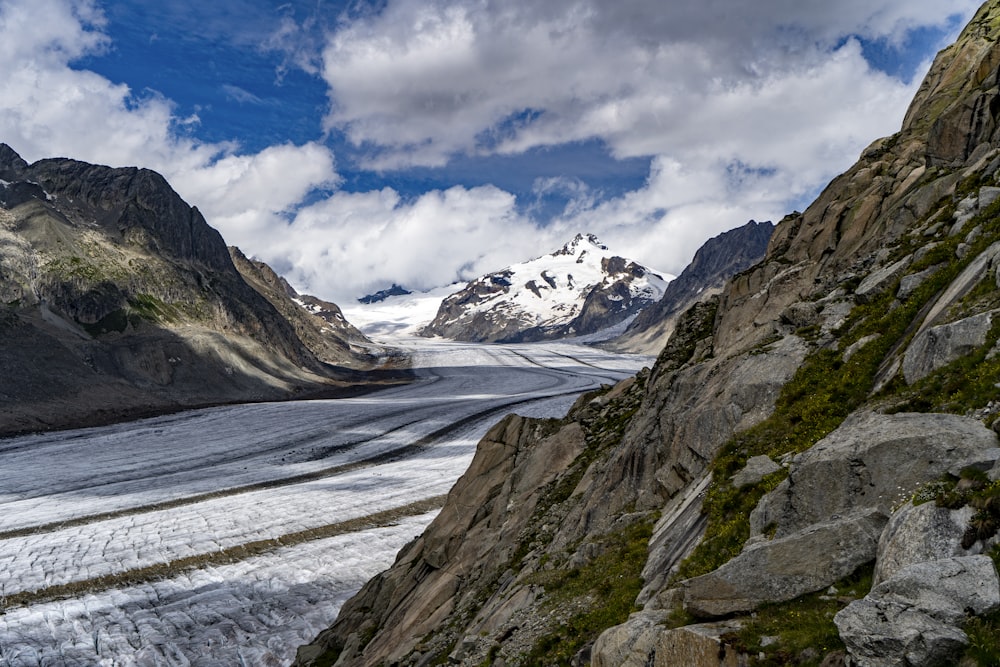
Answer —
805 475
717 260
118 299
579 289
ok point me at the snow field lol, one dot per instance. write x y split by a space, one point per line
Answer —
233 476
218 616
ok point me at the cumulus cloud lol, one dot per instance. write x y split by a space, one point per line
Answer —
48 108
423 80
745 108
356 243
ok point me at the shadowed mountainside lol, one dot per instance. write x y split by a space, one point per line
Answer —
117 299
715 262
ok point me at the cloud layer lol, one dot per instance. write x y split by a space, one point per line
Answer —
744 109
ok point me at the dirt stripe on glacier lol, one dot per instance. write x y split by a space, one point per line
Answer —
379 459
226 556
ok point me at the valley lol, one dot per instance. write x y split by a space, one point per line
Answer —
232 535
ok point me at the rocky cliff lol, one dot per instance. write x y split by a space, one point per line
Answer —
118 299
715 262
808 474
580 289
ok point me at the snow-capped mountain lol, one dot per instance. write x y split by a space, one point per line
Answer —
579 289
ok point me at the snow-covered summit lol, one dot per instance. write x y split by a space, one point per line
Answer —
579 289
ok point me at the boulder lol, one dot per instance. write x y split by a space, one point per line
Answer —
757 468
783 569
856 346
643 642
909 284
914 618
920 533
880 280
938 346
972 205
870 461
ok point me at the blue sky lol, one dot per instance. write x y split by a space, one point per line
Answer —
215 61
355 144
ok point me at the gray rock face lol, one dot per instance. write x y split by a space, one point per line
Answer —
473 537
871 461
757 468
642 642
828 516
715 262
879 281
919 534
785 568
914 618
909 284
938 346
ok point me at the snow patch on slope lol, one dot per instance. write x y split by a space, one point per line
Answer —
398 316
549 292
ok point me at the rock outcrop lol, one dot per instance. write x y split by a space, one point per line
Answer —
872 461
860 357
117 299
914 617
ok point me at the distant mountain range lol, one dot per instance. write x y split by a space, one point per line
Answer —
118 299
384 294
579 289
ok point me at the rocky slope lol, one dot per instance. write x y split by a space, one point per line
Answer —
319 324
118 299
382 295
579 289
715 262
808 475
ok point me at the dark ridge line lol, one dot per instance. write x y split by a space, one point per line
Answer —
229 555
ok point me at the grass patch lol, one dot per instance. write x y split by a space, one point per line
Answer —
600 594
804 623
140 308
152 309
825 390
984 640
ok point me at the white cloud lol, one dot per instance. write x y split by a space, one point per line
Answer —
424 80
746 108
356 243
245 195
49 109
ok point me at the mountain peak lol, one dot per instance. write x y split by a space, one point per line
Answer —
577 290
382 295
11 164
580 242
